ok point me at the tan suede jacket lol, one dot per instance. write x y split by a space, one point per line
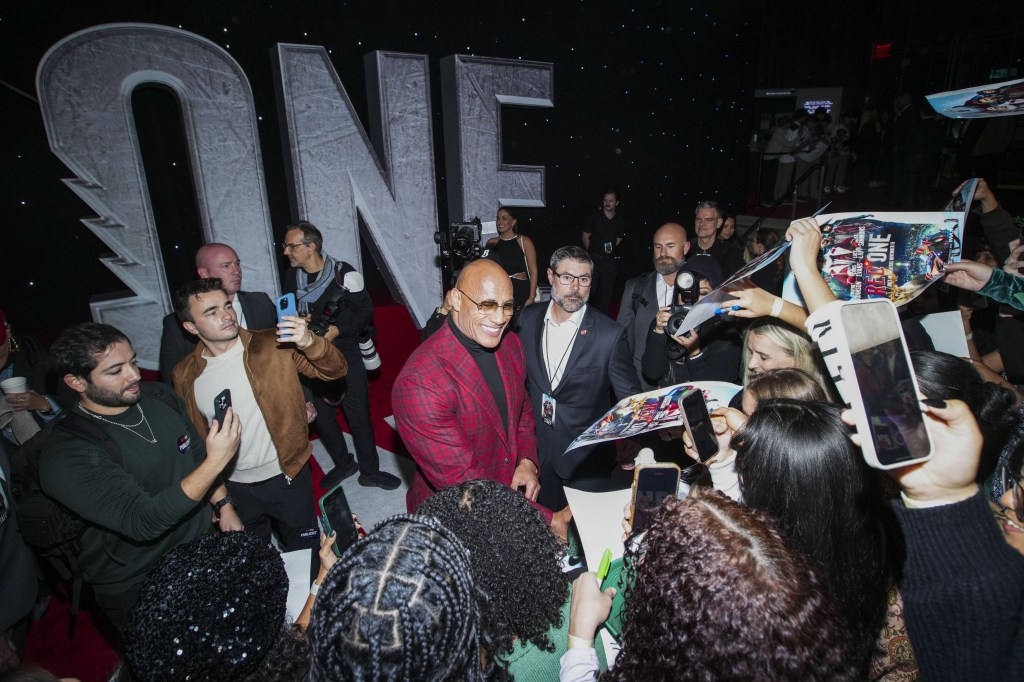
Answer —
272 373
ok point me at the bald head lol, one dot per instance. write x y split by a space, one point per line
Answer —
221 261
482 282
669 249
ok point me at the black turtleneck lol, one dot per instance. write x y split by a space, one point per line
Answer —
488 364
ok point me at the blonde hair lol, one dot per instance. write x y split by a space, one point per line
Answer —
793 343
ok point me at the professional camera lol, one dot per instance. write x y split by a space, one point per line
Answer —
687 290
462 240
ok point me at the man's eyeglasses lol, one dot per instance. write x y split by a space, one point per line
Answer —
1011 478
488 307
567 279
288 247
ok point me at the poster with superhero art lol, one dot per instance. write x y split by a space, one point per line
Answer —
884 255
892 256
653 410
981 101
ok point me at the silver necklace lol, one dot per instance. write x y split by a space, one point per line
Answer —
126 427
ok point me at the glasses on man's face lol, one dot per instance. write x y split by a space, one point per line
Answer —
289 247
488 307
1012 481
566 279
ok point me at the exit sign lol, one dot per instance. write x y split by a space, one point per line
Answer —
882 51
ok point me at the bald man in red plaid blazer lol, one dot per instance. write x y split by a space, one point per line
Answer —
444 408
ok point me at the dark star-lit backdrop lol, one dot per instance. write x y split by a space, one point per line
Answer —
653 98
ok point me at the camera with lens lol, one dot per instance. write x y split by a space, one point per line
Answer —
461 240
687 290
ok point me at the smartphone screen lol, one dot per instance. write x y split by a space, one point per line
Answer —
651 486
221 404
887 386
286 306
338 517
698 422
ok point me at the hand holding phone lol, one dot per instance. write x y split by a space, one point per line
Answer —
865 352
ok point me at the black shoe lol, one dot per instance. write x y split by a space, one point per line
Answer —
338 474
381 479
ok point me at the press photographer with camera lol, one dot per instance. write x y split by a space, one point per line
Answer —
711 352
332 294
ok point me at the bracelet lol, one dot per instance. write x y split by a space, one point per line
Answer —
969 336
580 643
314 589
776 307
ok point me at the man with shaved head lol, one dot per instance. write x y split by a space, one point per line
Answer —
460 401
254 309
644 295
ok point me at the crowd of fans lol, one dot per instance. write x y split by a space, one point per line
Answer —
905 152
791 560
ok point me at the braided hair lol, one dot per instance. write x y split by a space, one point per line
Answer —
400 604
514 556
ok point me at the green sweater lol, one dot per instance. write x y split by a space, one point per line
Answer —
527 663
133 514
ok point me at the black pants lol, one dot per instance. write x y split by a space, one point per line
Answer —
116 607
356 407
279 505
603 286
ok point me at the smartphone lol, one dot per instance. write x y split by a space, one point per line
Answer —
286 306
337 517
652 484
221 404
697 422
886 403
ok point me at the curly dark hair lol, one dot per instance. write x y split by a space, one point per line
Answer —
400 604
796 462
720 595
514 557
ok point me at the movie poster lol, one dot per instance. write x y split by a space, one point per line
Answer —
981 101
887 255
653 410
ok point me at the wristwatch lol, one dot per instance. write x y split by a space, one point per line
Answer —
219 504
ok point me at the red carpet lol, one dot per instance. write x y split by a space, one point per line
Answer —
90 656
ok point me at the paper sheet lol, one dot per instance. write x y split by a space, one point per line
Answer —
598 518
297 564
947 332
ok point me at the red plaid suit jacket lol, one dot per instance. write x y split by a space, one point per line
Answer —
449 421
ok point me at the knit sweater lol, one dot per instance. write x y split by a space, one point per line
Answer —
963 587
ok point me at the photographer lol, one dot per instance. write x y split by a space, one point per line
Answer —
331 293
711 352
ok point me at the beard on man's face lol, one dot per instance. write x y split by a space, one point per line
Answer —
102 396
666 265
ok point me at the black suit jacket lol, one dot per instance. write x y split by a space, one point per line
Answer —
176 343
636 313
598 363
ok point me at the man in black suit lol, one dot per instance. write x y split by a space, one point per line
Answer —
575 355
255 310
643 295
